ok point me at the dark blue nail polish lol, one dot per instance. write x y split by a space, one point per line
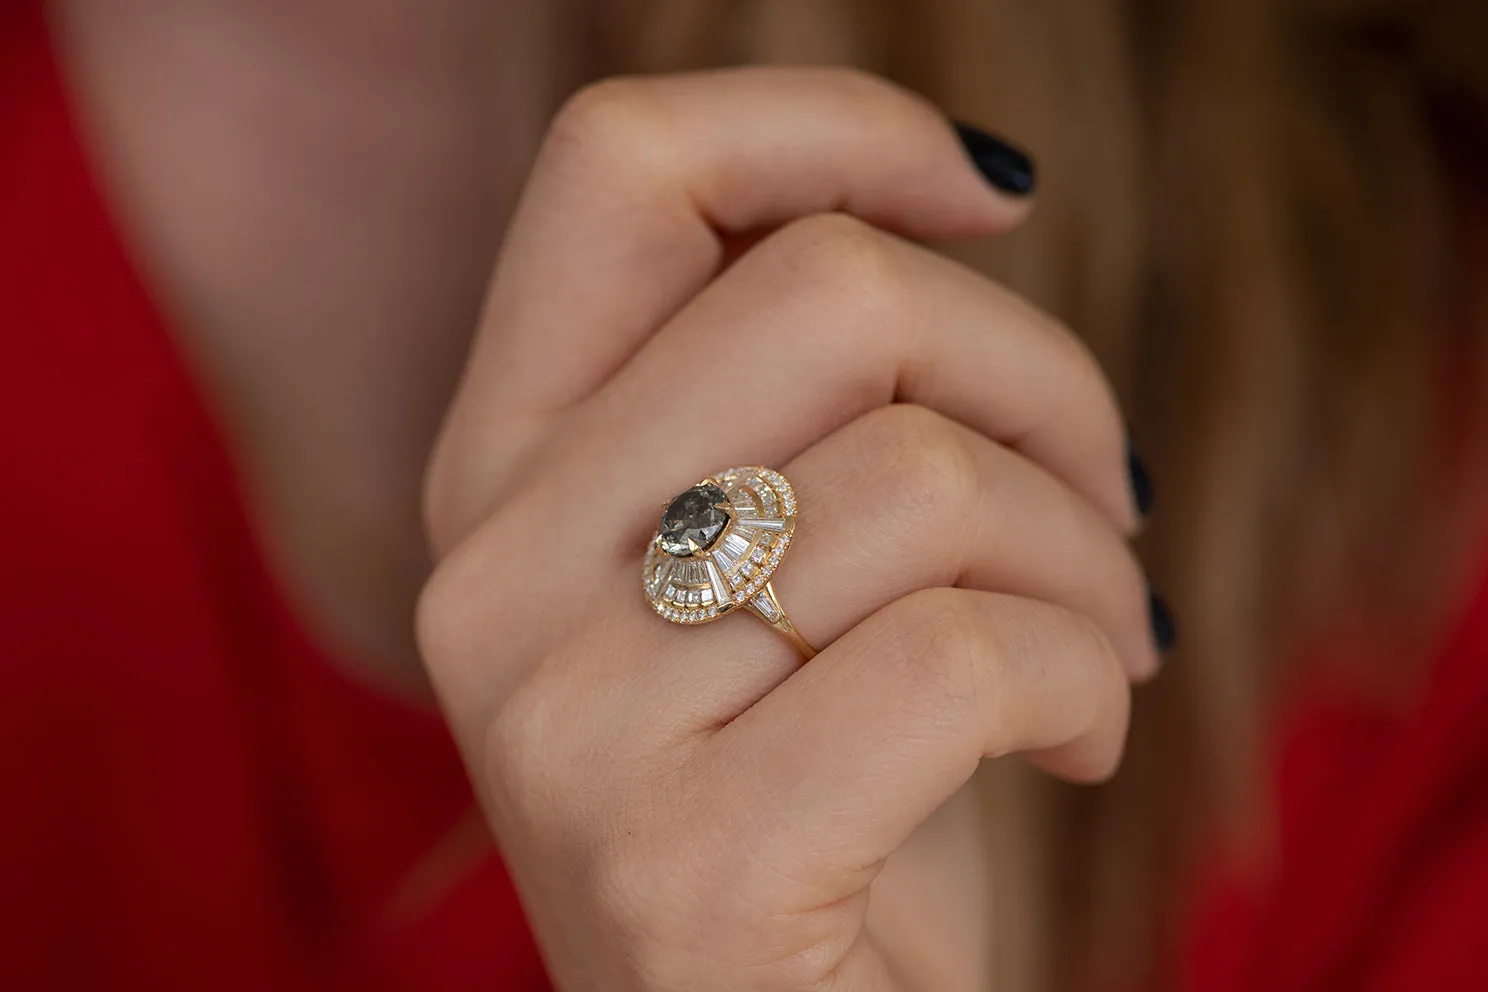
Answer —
1141 482
1164 630
1004 166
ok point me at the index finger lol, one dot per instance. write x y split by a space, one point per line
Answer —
637 188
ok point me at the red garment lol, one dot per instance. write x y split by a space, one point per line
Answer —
194 798
1380 877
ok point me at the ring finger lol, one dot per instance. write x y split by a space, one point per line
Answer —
901 500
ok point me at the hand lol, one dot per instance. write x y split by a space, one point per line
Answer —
713 270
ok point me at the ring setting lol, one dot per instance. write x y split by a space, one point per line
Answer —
718 545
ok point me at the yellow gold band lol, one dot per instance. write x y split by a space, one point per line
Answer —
768 608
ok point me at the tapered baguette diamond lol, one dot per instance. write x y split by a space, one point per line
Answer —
693 521
762 603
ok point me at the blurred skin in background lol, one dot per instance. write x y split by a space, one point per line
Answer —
1266 219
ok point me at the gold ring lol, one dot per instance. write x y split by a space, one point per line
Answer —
718 545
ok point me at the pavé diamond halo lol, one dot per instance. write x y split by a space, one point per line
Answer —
717 547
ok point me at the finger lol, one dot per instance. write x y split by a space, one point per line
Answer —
639 177
904 499
899 501
830 318
945 338
639 182
835 769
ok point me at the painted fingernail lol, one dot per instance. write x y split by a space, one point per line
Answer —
1004 166
1141 482
1164 630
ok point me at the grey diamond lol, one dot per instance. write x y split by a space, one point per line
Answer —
694 520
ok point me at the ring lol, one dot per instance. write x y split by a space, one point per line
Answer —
718 545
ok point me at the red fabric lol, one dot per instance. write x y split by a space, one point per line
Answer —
193 798
1379 876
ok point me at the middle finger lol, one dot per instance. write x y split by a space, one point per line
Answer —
900 500
827 319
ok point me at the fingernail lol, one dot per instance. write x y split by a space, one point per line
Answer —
1164 630
1141 482
1004 166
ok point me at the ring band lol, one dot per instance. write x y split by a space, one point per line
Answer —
717 548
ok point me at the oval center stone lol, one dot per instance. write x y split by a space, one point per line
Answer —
694 520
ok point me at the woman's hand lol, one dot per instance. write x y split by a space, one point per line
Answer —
702 273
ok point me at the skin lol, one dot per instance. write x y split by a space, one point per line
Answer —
316 192
702 271
703 811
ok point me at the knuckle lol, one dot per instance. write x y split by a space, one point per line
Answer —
620 110
924 478
444 613
941 665
961 663
534 762
856 269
